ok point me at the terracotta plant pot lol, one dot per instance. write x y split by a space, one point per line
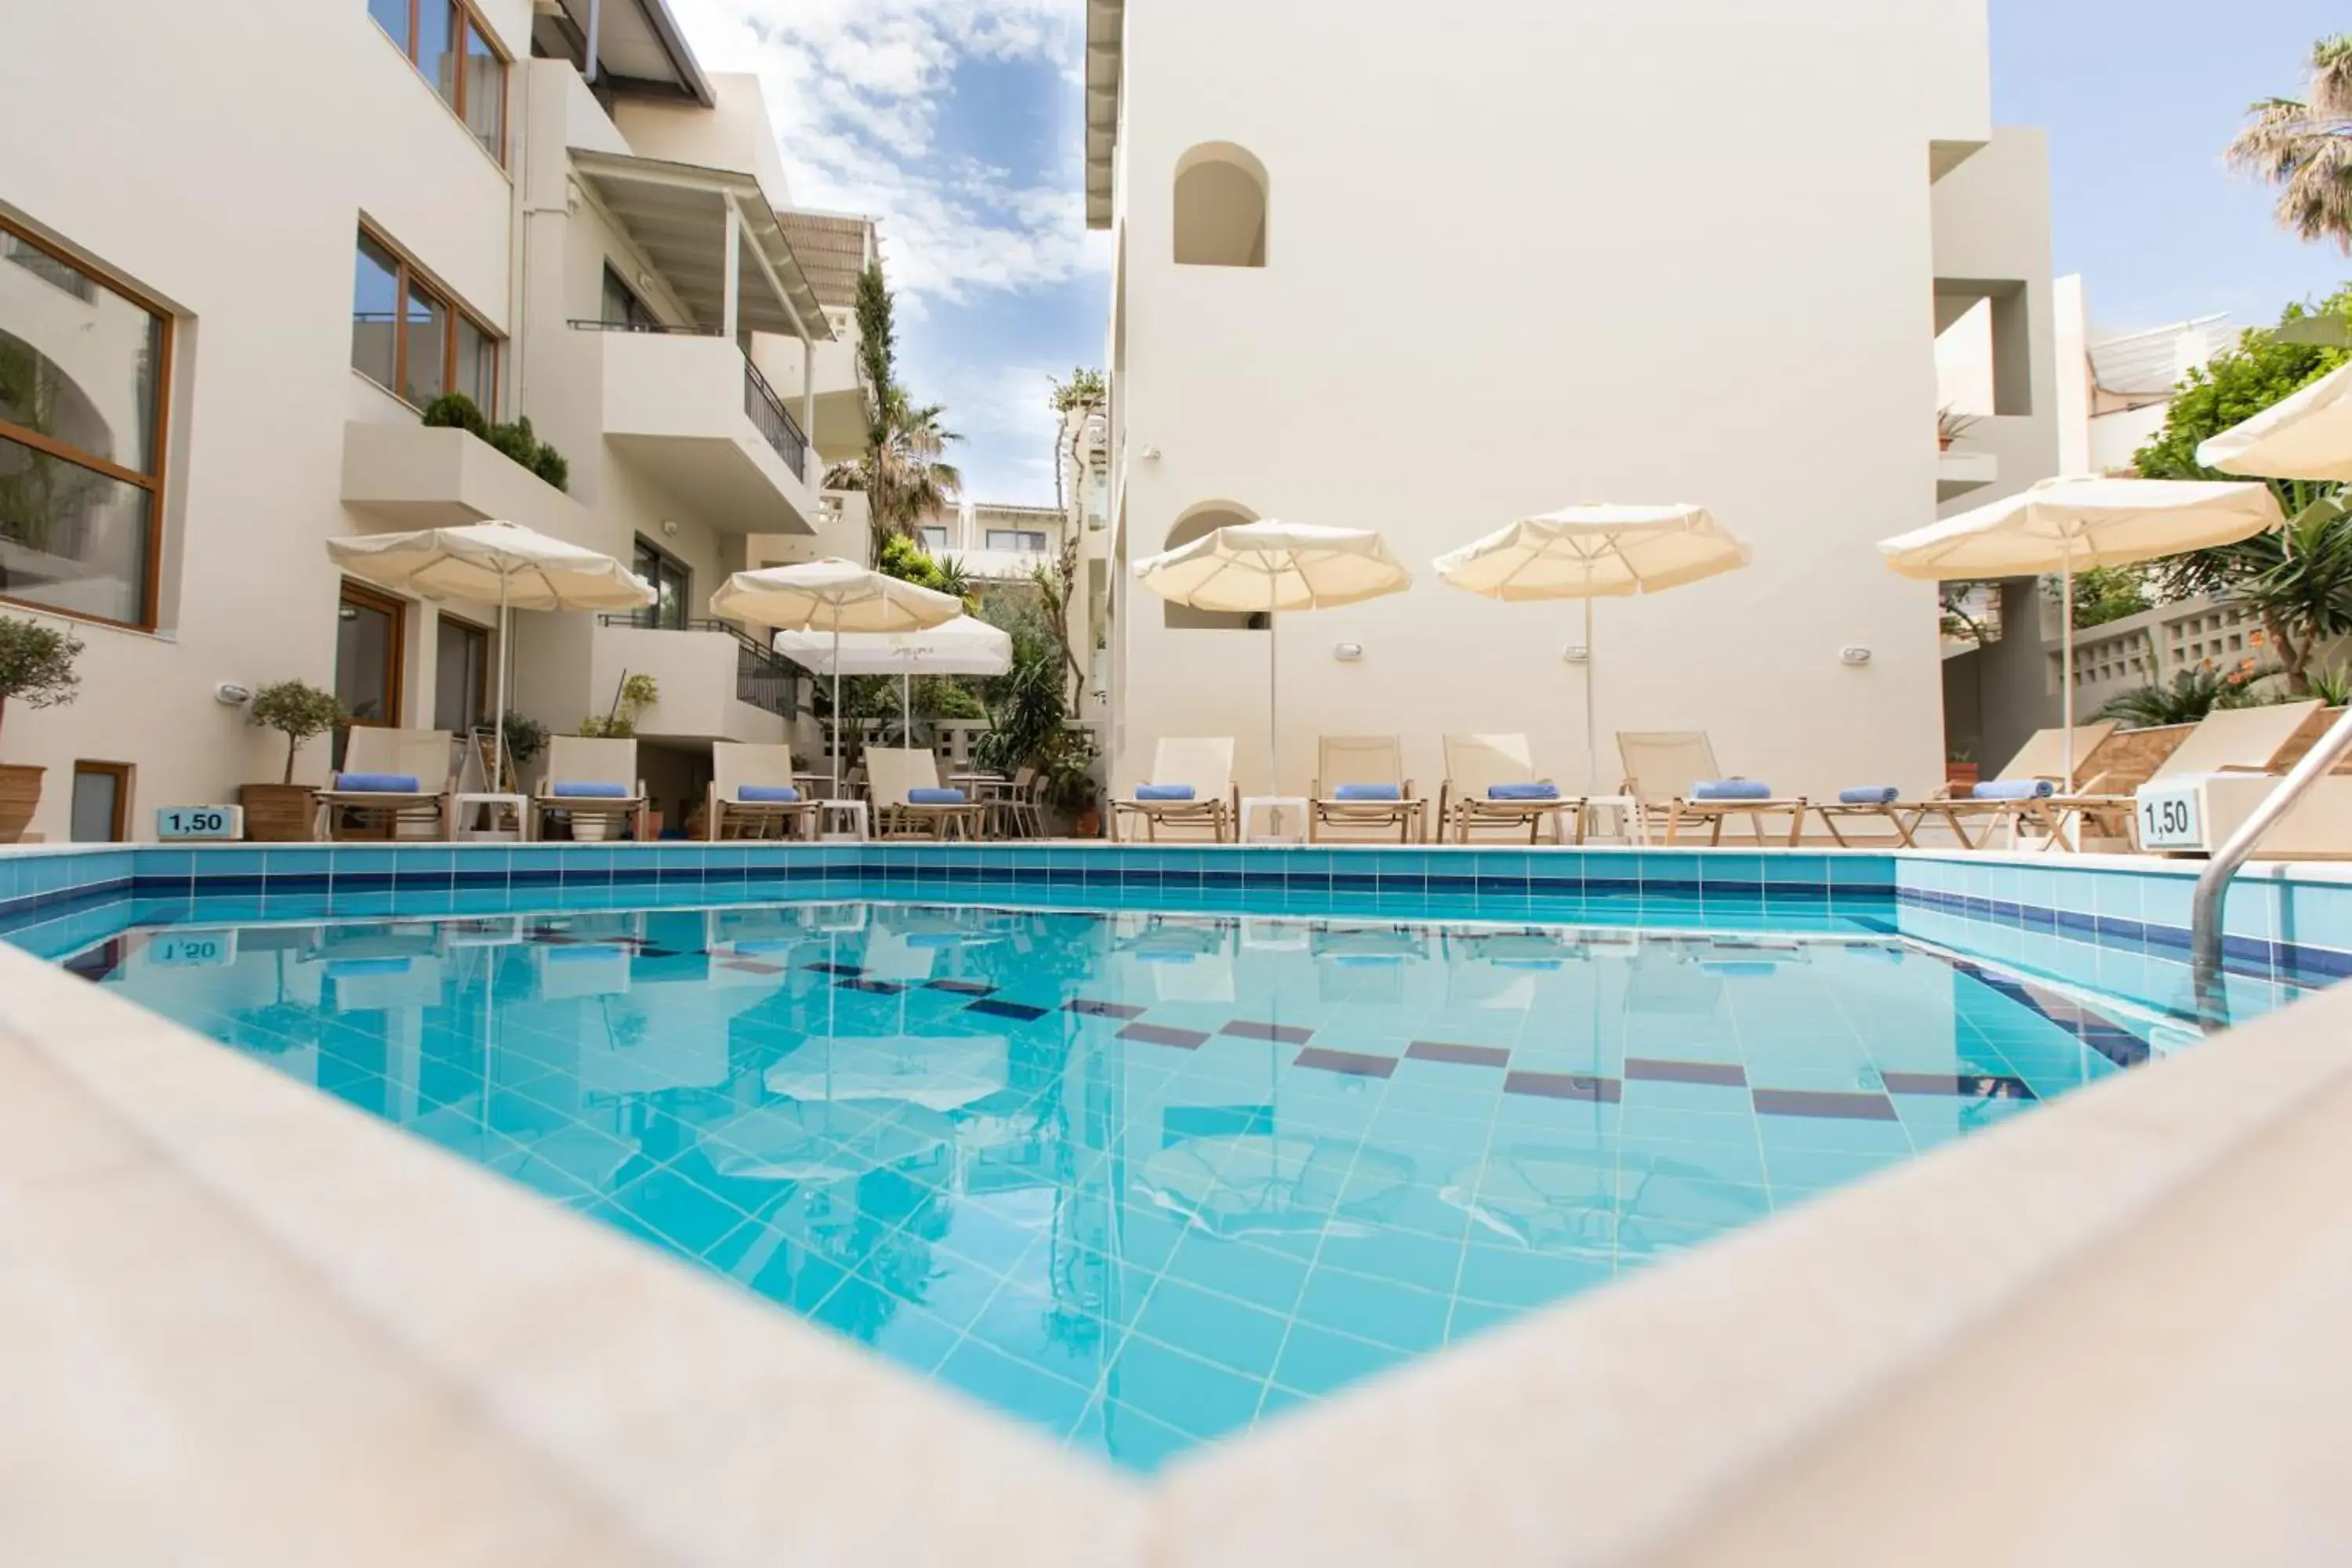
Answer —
1089 823
20 792
1959 774
279 813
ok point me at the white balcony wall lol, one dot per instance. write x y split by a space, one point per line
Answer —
674 407
695 672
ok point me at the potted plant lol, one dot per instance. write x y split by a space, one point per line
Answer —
283 813
37 669
1960 769
1070 787
1951 426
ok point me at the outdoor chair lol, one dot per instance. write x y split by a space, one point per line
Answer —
753 794
909 800
2227 740
1673 778
1192 785
1491 782
594 782
2021 794
1359 783
392 783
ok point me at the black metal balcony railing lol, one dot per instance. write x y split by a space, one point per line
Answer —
767 411
659 329
761 678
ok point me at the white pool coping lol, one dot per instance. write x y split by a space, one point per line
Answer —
248 1324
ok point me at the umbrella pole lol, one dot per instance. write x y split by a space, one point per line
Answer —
499 725
1273 720
1591 733
836 704
2066 657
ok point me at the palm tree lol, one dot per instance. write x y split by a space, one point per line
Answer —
2193 694
903 474
2304 146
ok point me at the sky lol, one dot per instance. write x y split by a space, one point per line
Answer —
957 123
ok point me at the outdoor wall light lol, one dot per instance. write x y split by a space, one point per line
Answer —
1576 653
229 694
669 527
1348 652
1854 655
1150 454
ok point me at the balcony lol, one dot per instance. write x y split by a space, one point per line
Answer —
695 417
404 475
716 683
1958 472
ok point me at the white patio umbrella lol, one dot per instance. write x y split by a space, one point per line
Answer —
1595 552
965 646
1269 568
833 597
2308 436
2064 525
504 563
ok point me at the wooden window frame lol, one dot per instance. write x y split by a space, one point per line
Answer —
151 589
405 275
462 15
119 831
355 592
686 582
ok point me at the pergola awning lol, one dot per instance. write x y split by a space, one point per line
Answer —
833 249
1106 40
675 215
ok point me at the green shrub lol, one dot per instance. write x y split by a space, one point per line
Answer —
36 664
298 712
455 411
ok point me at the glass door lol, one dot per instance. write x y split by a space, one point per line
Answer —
461 676
368 656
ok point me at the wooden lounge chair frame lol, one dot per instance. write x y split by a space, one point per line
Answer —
734 765
1206 762
423 755
1651 755
1475 763
1364 760
892 772
581 759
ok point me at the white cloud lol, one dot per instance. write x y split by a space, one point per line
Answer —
854 87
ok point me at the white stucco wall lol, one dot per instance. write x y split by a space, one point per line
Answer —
238 210
1485 297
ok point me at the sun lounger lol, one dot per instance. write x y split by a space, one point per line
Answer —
1673 777
753 794
392 783
2042 760
909 800
2227 740
595 783
1491 782
1359 783
1192 785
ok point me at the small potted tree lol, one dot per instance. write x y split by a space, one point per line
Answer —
37 669
284 813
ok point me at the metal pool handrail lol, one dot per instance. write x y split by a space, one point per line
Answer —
2213 886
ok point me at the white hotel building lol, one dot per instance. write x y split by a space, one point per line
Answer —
1428 271
221 313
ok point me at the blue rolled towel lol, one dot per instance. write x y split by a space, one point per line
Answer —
1368 792
1163 792
766 794
2003 789
1869 794
1523 792
377 784
592 791
1731 789
930 795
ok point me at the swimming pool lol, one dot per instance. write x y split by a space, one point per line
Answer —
1141 1176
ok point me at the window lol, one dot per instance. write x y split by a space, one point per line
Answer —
461 676
369 652
101 803
448 44
669 579
1221 201
84 369
935 541
1017 539
411 340
622 307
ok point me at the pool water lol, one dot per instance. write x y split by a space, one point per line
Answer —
1141 1180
